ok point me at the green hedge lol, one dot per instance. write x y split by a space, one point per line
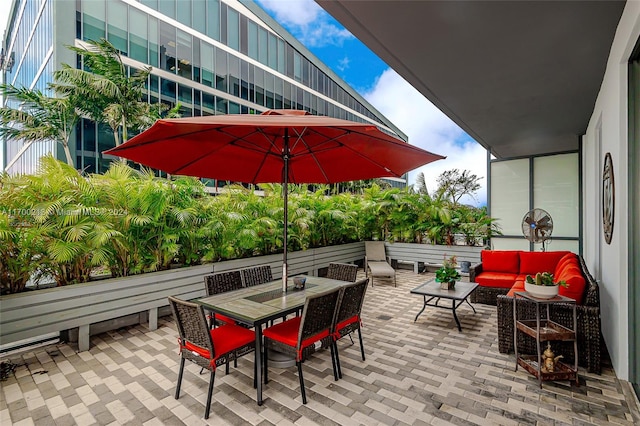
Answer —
61 224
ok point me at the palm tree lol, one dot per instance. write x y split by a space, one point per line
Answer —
39 118
108 94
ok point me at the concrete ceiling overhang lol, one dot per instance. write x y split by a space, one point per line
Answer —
520 77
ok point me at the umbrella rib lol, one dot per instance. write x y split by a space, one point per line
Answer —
336 139
301 140
235 141
266 152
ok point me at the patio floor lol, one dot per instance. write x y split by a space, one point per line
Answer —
414 374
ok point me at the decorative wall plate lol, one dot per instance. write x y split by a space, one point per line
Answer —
608 198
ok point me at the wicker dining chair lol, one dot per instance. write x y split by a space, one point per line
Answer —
221 282
256 275
348 314
299 336
205 347
343 272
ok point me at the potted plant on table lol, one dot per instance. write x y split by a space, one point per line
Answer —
448 274
543 285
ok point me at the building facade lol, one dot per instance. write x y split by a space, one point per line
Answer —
210 56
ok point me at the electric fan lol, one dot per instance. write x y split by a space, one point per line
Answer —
537 226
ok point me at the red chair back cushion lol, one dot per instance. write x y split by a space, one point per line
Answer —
500 260
532 262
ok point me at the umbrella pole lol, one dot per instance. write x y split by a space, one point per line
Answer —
285 191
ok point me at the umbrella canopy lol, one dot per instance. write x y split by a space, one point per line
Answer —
278 146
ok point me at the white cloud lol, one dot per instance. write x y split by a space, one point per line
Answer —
343 63
428 128
296 12
308 22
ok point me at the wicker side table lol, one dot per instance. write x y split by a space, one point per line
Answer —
545 330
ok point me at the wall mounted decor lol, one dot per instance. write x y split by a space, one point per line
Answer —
608 198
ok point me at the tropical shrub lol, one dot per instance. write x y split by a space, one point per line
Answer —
64 225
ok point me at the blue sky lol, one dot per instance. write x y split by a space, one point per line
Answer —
426 126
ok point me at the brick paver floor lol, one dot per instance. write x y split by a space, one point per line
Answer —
415 373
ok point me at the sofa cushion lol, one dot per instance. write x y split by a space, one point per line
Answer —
532 262
500 261
573 277
518 286
496 279
569 258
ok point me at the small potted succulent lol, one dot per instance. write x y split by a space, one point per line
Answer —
448 274
543 285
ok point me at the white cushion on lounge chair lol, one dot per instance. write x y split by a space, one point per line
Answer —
376 261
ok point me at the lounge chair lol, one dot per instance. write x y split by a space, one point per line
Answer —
375 261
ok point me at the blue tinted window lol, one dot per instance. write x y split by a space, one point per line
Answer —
138 35
233 29
93 20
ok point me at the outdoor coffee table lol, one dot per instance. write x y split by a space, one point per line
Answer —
431 290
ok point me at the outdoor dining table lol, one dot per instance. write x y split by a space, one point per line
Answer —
257 305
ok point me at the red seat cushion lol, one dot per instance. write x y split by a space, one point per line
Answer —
226 338
496 279
348 321
532 262
518 286
287 332
500 261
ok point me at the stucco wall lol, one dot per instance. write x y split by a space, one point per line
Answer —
609 125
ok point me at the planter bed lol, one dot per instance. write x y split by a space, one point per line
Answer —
85 309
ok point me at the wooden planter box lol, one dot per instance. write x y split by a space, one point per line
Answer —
82 310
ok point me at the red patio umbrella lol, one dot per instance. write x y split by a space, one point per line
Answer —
278 146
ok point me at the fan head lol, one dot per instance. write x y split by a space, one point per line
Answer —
537 225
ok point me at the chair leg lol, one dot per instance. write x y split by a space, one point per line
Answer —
302 392
208 407
255 375
352 342
333 363
180 377
264 362
361 344
226 367
339 368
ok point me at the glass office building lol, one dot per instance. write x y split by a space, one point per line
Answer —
211 56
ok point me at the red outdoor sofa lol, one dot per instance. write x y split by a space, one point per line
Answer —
502 272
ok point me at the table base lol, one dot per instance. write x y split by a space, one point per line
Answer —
454 306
